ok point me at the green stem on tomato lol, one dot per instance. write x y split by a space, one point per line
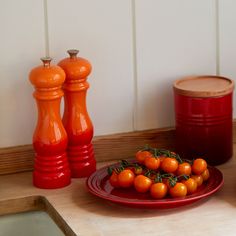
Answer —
183 177
172 181
109 170
158 178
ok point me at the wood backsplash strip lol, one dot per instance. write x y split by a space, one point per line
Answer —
121 146
107 147
16 159
234 131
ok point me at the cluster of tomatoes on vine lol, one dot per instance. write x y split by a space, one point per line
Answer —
160 172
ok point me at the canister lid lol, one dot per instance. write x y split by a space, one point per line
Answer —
204 86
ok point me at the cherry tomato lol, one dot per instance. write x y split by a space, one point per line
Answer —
184 169
138 170
162 158
205 175
130 168
198 179
152 163
169 165
158 190
199 165
114 180
191 185
141 156
126 178
142 183
179 190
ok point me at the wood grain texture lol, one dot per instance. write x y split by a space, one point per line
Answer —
234 132
122 146
204 86
10 206
16 159
107 147
61 223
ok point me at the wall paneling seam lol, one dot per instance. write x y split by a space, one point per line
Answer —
46 33
135 75
217 36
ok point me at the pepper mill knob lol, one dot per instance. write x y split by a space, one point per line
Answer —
46 61
73 53
76 119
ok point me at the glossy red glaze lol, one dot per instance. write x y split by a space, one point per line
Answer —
51 168
204 127
98 184
76 120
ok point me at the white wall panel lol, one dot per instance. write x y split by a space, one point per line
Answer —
102 31
174 39
227 40
21 46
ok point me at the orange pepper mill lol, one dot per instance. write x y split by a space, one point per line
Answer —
51 167
76 119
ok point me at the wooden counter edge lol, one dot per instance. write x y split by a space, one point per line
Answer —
34 203
106 147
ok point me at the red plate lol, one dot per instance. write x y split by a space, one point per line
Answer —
98 184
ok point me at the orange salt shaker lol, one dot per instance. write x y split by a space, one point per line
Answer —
76 120
51 168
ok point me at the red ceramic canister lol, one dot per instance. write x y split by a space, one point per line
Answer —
203 115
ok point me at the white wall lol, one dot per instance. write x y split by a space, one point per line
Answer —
137 49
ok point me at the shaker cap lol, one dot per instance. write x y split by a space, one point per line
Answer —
47 75
76 68
203 86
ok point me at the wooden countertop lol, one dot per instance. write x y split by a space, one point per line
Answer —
88 215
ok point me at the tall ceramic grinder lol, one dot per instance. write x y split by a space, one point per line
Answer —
51 168
76 119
